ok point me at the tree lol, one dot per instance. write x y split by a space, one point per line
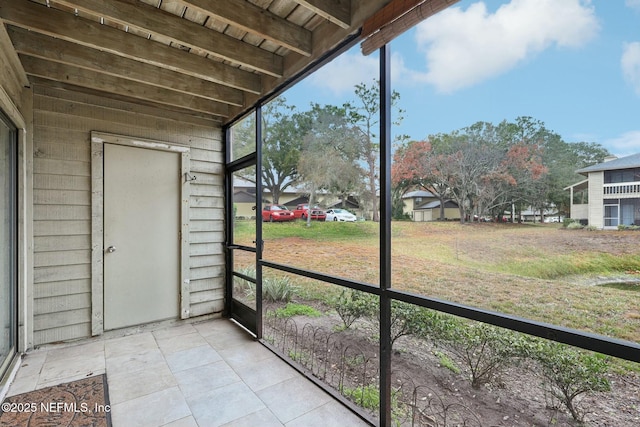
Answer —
328 159
283 129
415 165
364 114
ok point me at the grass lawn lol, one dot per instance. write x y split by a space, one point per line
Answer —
540 272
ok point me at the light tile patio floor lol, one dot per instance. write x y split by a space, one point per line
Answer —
192 374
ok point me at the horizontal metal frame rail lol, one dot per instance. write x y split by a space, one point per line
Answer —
609 346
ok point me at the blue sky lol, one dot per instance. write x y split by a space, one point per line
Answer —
573 64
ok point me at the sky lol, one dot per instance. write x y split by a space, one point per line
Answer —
572 64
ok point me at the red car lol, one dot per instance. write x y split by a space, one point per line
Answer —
273 213
302 211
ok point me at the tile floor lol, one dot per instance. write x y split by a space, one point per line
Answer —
193 374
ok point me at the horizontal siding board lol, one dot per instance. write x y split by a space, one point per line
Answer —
207 178
206 237
61 243
61 212
206 296
206 167
202 189
197 249
60 258
61 167
61 303
61 228
63 151
206 284
56 289
61 319
206 261
206 272
206 202
61 272
61 197
206 308
207 155
65 333
206 225
61 182
206 213
54 99
48 135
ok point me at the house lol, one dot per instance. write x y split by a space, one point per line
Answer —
423 205
118 153
610 194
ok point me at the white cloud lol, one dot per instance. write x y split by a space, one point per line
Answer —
465 47
633 4
343 73
626 144
630 63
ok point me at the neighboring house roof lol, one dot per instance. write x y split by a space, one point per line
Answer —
628 162
418 193
436 204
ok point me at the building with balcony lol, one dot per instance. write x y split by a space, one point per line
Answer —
610 196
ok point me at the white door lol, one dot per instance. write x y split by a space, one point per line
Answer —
141 235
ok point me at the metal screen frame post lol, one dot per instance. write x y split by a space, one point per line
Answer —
385 236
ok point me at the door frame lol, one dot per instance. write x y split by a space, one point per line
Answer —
98 139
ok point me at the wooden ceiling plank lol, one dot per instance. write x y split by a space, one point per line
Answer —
183 31
409 19
58 50
336 11
106 83
32 16
257 21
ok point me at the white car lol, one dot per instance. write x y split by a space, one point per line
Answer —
340 215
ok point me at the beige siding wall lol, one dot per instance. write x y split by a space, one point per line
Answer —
63 122
596 207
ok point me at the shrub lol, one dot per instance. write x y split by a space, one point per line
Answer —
567 221
484 349
352 305
569 374
280 288
574 226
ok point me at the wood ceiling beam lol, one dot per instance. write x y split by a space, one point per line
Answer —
336 11
55 23
150 19
45 47
106 83
257 21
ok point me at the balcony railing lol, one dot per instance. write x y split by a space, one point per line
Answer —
623 189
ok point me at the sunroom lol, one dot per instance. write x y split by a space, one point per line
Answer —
125 126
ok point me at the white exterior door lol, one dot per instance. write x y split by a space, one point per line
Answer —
141 235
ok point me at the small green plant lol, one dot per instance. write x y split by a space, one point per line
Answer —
299 356
367 396
446 362
569 374
293 309
567 221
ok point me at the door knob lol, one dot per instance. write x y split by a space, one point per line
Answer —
111 249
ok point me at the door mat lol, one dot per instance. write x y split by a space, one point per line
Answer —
79 403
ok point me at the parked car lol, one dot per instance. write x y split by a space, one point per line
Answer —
277 213
302 211
340 215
